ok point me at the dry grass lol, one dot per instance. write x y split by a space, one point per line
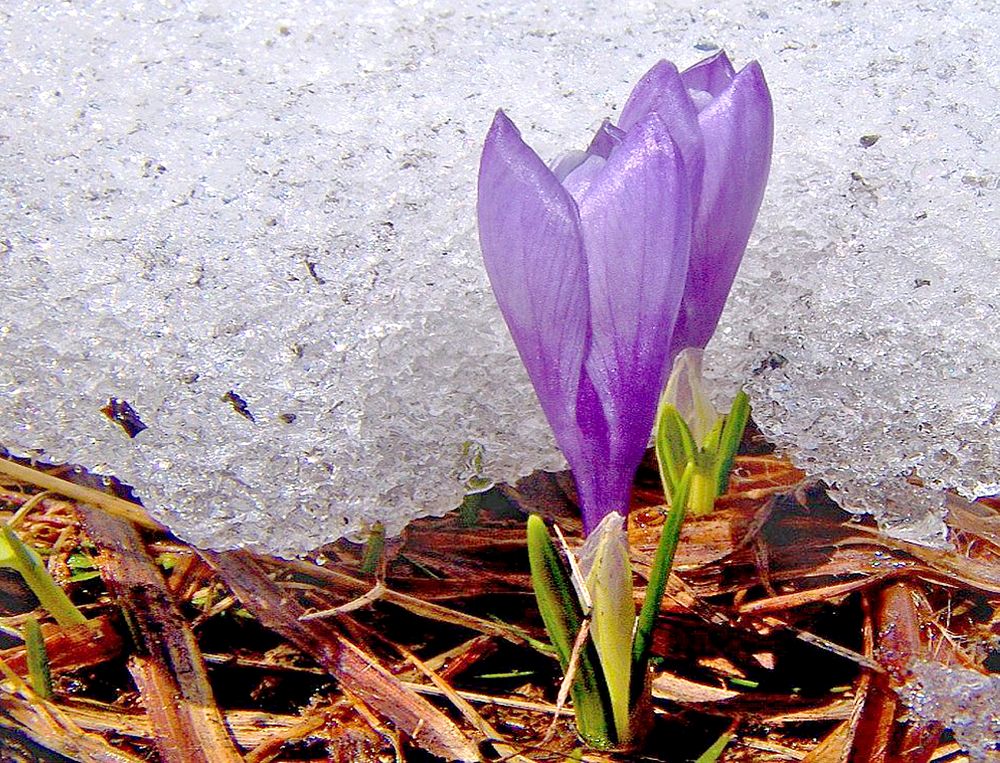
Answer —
786 621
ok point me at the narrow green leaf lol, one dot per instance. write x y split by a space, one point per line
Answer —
26 561
167 561
38 659
424 569
729 444
687 440
80 562
662 443
659 573
563 616
710 445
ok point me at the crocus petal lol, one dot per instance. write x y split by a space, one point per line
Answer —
711 75
606 139
530 237
579 179
566 162
662 91
739 127
636 229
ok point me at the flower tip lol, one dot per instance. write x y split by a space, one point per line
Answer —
753 70
654 132
712 74
501 124
605 140
503 145
662 68
719 60
661 79
722 58
750 81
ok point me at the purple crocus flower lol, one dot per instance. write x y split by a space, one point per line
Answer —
609 263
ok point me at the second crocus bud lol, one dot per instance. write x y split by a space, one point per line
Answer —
690 431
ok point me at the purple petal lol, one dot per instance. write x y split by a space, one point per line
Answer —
529 232
602 485
662 91
738 126
605 140
579 179
711 75
636 221
565 163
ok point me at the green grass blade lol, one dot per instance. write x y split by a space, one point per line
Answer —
563 616
38 659
374 549
659 573
729 444
26 561
713 753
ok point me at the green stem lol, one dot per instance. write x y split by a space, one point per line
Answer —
663 561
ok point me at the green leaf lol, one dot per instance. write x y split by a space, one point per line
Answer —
729 443
563 617
79 562
663 561
83 566
508 674
674 446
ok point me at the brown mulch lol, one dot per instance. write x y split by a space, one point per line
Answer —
787 623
